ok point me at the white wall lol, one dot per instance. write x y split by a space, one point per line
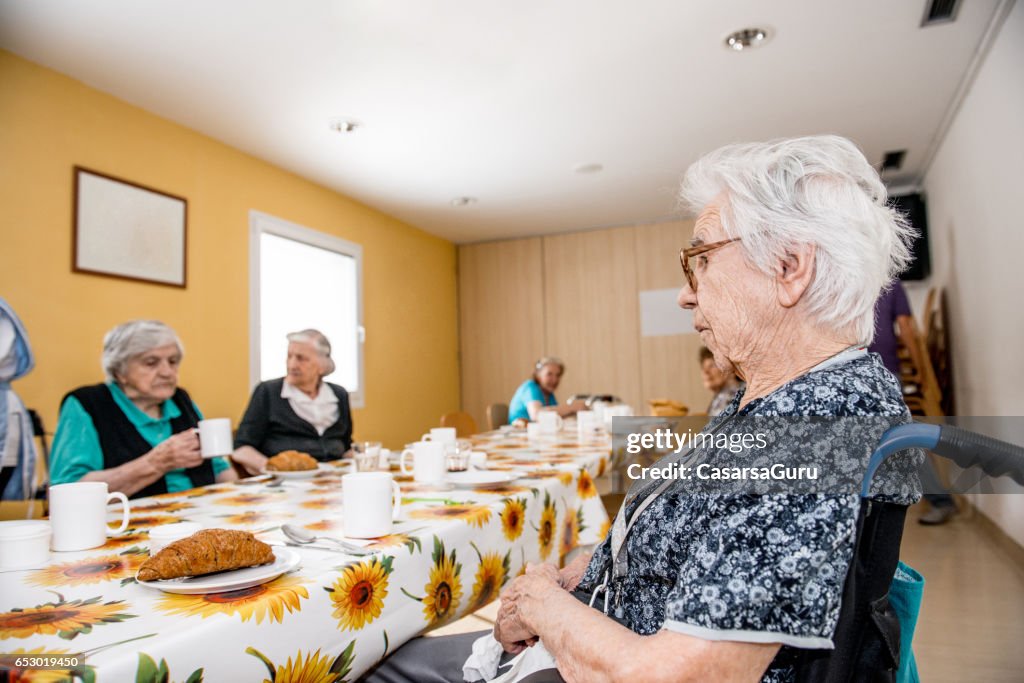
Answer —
975 192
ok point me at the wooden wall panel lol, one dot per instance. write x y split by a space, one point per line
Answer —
591 311
501 320
668 365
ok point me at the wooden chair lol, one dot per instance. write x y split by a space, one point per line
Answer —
927 398
464 423
497 415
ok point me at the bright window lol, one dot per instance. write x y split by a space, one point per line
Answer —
300 279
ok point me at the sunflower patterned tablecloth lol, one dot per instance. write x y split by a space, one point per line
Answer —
450 553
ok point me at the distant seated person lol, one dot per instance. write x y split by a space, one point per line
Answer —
724 384
538 393
136 431
298 412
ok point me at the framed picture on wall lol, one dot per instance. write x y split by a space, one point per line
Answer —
126 230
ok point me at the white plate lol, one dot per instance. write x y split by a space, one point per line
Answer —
285 560
304 474
478 480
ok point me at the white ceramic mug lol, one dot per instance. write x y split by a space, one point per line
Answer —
24 543
215 437
78 515
429 465
371 502
586 425
160 536
533 431
550 422
445 435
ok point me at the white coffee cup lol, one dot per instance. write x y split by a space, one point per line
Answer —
429 464
24 543
586 424
533 431
370 501
160 536
550 422
78 515
215 437
443 434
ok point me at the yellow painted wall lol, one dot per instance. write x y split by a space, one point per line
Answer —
49 123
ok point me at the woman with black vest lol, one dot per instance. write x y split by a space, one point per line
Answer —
298 412
136 431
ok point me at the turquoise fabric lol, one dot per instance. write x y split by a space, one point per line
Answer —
76 445
527 391
905 595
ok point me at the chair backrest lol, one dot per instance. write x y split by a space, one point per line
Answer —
464 423
497 415
43 463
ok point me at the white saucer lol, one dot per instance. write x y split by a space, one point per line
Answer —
285 560
477 479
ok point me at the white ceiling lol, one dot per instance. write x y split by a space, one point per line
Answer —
500 101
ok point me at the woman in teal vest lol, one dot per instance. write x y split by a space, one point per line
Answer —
136 431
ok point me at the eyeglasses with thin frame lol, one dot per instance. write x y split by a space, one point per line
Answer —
686 253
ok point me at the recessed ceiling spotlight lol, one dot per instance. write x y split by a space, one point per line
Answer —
341 125
463 201
746 38
588 168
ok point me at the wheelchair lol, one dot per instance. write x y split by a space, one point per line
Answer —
867 638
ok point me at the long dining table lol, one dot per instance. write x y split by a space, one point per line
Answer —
333 617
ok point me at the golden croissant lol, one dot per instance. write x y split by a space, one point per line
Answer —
291 461
205 552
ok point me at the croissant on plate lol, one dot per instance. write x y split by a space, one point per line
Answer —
205 552
291 461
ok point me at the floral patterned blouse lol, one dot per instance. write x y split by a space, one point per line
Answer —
758 568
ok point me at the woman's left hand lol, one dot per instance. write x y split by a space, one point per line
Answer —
531 591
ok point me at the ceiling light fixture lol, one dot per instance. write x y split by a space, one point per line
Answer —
463 201
746 38
588 168
340 125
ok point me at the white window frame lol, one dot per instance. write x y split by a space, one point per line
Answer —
260 223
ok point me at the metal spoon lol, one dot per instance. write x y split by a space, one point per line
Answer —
304 536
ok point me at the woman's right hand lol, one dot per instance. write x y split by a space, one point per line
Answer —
179 451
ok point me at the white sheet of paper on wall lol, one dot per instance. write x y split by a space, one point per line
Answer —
661 316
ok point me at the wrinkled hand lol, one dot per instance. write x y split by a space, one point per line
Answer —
524 595
251 460
181 450
510 631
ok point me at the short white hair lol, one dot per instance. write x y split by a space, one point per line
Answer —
318 340
817 190
131 339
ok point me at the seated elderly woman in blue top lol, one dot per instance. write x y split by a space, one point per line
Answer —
792 245
538 393
136 431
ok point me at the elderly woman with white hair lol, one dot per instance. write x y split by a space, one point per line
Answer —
792 245
136 431
298 412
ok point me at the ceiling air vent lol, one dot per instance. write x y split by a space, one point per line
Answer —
893 160
940 12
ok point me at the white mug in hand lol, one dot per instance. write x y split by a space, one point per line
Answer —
215 437
78 515
370 502
429 465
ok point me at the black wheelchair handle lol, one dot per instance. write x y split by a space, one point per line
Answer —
969 449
